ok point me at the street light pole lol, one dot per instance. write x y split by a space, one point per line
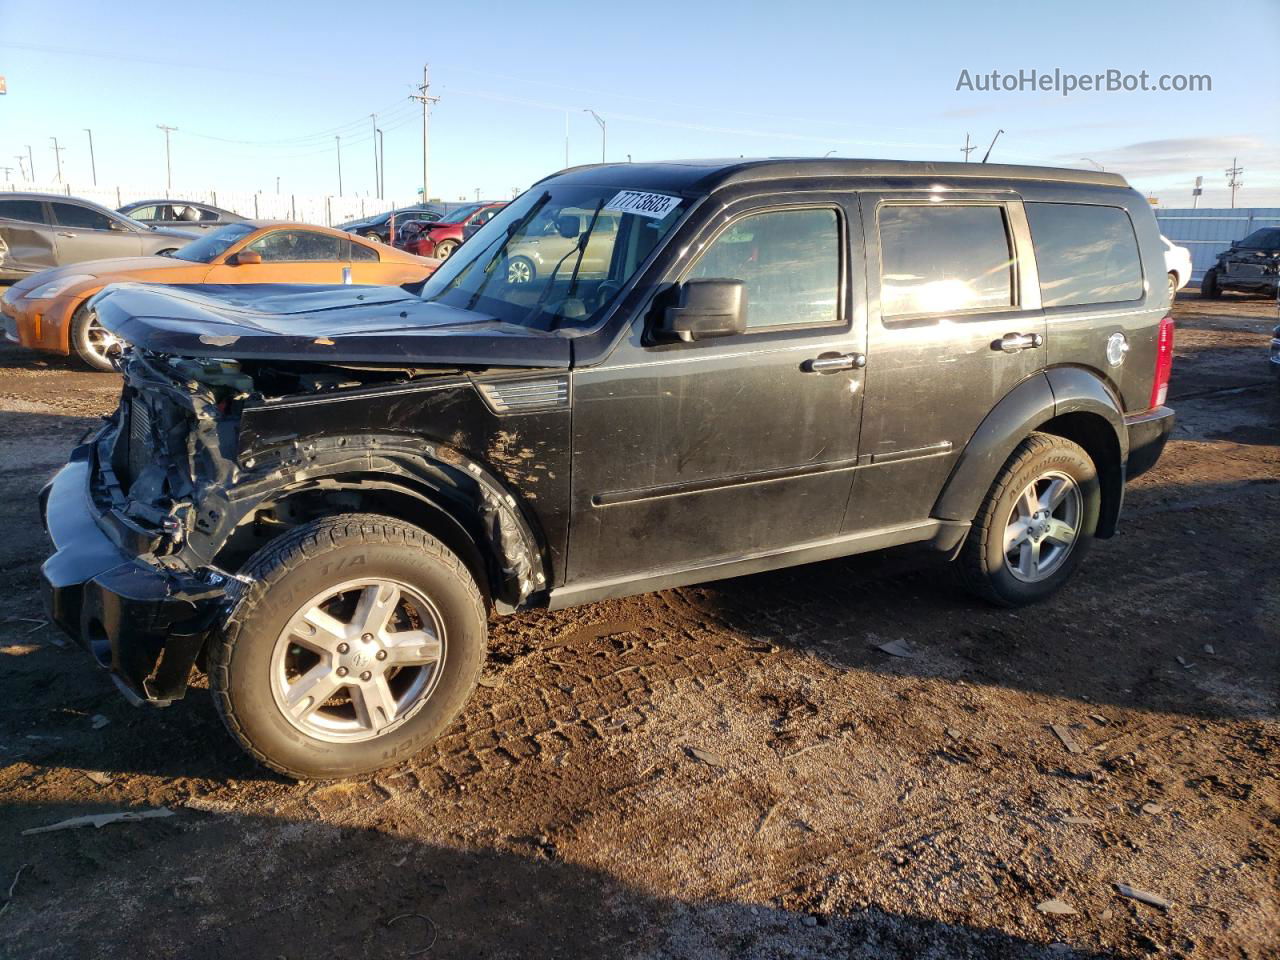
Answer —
374 118
93 165
168 165
31 164
338 141
600 121
22 165
1101 168
382 165
993 143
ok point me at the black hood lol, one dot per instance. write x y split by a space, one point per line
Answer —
326 324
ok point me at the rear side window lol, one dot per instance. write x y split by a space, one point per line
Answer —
1085 254
70 215
789 261
362 254
297 246
30 211
944 258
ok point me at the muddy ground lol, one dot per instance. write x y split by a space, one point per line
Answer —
847 803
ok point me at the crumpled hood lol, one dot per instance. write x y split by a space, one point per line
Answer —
327 324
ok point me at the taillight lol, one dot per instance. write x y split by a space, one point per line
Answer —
1164 362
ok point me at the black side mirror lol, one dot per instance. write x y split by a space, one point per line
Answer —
708 308
568 226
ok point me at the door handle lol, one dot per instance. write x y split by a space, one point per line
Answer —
1013 342
835 362
65 233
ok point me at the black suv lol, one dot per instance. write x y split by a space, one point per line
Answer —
717 368
1251 265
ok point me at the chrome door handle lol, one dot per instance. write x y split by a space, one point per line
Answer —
833 363
1013 342
64 233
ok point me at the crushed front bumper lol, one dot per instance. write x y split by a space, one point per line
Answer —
1148 433
143 622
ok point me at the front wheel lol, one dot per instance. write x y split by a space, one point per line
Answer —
520 270
374 237
357 644
93 343
445 248
1036 524
1173 286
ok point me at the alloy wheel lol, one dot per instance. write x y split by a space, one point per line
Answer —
357 660
101 342
1042 527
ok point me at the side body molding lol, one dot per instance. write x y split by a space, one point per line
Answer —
1092 416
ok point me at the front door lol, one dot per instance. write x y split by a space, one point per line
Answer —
954 324
686 454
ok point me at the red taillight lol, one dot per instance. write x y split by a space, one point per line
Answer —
1164 362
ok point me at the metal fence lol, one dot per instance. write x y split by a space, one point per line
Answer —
305 207
1207 232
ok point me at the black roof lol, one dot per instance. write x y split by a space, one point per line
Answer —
707 175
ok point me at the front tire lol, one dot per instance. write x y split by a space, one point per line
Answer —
91 342
520 270
1036 524
1209 288
1173 286
445 248
357 644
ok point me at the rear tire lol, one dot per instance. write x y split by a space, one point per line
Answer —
389 670
1173 286
1209 288
1035 525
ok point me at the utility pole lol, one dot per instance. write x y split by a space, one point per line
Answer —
1196 191
424 97
7 171
338 140
966 149
57 156
566 139
93 165
22 169
993 143
382 165
277 186
31 164
602 129
168 166
1233 179
376 189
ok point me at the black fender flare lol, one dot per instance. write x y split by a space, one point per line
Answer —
437 475
1030 405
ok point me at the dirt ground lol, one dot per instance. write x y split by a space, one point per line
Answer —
723 771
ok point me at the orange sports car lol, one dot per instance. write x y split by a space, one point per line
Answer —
49 310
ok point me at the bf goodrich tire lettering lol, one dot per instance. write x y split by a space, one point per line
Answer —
337 560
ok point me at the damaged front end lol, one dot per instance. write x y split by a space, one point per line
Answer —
205 461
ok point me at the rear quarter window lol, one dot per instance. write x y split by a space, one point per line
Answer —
1085 254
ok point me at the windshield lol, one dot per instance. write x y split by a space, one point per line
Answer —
213 243
557 255
1262 239
460 214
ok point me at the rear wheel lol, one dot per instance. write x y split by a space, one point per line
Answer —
520 270
359 641
1036 524
1173 286
93 343
1209 288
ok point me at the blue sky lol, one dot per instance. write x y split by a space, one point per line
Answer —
671 80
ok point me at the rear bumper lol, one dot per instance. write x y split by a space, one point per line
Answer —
144 623
1148 433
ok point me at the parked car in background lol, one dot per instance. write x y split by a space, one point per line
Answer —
51 311
378 227
441 237
180 213
780 362
1251 265
43 230
1177 265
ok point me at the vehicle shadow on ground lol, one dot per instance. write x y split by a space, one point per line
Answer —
197 886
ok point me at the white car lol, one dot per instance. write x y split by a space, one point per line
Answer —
1177 264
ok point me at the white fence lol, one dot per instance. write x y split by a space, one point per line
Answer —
305 207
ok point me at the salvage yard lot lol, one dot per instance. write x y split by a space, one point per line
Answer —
729 770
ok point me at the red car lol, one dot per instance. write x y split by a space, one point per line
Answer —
439 238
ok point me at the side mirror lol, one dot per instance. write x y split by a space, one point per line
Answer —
568 226
244 258
707 308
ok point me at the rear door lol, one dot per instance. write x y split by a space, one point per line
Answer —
26 237
954 324
82 233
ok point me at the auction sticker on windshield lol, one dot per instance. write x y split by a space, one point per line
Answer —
656 205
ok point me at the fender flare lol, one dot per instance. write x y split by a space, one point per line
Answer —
1027 407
